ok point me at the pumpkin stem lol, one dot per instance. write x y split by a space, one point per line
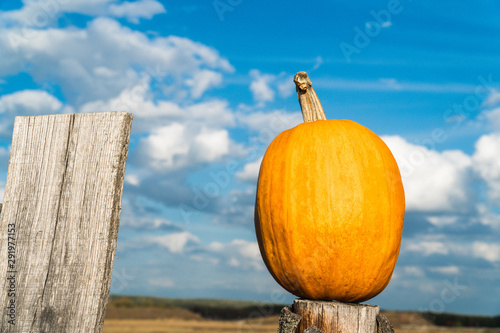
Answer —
309 101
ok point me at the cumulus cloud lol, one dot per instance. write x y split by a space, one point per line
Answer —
202 81
492 117
286 86
25 102
37 14
487 163
414 271
440 220
148 223
446 270
177 145
433 181
136 10
149 114
239 253
175 242
260 86
236 209
492 99
269 124
264 86
427 247
105 58
487 251
487 216
250 171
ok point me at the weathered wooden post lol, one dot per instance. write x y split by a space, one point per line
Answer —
59 221
310 316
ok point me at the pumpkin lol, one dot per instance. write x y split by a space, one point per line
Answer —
329 208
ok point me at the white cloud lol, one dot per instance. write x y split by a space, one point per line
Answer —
23 103
239 253
90 7
446 270
29 102
493 98
487 163
260 86
210 145
39 14
486 251
147 223
250 171
134 216
414 271
286 87
486 216
167 143
136 10
264 86
133 180
441 245
441 220
150 114
104 59
175 242
433 181
269 124
175 136
427 248
177 145
202 81
492 117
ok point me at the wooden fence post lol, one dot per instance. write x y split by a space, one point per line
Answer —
308 316
59 221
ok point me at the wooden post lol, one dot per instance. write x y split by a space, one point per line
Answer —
59 221
307 316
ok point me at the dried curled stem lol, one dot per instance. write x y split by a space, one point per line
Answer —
309 101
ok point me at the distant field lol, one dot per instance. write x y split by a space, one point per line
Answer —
184 326
267 325
158 315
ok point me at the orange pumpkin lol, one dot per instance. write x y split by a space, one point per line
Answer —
330 207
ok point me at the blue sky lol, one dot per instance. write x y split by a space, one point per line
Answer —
210 85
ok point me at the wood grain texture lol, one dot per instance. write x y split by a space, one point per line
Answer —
288 321
63 195
384 325
336 317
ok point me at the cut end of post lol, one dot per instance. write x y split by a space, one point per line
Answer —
335 317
